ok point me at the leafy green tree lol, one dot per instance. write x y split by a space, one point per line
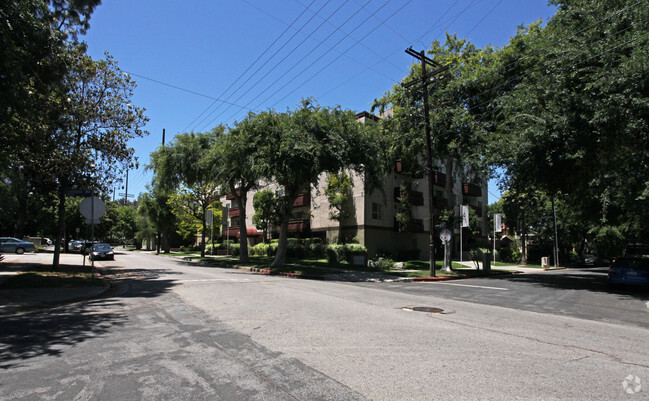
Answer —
313 140
265 203
574 117
154 205
237 163
185 165
89 148
457 119
338 191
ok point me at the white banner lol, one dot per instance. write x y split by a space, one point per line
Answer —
465 215
498 226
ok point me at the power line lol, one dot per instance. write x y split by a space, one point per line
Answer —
337 58
254 62
266 62
314 49
395 81
181 89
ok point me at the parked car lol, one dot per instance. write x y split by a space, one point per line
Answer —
46 242
629 270
74 245
10 244
102 251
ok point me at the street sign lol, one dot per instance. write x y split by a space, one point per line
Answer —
465 215
209 216
92 208
445 235
79 192
498 226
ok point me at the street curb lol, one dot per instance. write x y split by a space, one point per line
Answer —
52 304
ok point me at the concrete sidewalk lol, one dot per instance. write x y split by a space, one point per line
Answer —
25 299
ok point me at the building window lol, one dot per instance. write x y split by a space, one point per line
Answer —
376 211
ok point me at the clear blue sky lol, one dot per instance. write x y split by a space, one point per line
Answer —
203 63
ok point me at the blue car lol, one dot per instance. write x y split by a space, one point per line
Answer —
629 271
9 244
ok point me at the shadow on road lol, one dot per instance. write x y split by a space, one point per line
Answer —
594 280
49 331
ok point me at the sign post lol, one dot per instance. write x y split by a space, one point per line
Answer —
445 236
92 209
464 215
209 220
497 228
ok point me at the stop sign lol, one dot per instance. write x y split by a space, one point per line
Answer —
92 208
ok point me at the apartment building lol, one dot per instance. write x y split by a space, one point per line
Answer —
372 216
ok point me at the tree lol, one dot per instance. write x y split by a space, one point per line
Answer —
185 165
88 147
339 194
154 204
264 202
237 163
457 120
313 140
574 117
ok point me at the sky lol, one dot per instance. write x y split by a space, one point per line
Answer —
201 63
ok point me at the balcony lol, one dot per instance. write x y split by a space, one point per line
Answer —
440 203
231 196
439 179
299 225
469 189
234 232
416 197
302 200
234 212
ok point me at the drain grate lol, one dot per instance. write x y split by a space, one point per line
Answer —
427 309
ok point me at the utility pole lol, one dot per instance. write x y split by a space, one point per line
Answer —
163 137
423 81
126 190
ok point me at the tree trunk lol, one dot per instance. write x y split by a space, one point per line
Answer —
282 246
242 199
524 234
203 227
61 232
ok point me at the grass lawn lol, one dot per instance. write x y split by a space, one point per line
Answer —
43 279
516 265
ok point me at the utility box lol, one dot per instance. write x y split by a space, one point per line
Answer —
545 262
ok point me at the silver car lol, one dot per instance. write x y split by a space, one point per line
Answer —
10 244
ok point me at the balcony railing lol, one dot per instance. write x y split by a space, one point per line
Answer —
471 190
416 197
302 200
299 225
231 196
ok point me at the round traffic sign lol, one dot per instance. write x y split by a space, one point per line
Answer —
445 235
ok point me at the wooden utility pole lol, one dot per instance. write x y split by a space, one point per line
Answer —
423 81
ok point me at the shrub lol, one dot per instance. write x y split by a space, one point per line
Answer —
317 251
295 249
352 250
332 252
234 249
510 255
384 264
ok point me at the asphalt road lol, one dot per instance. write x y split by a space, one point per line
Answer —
175 330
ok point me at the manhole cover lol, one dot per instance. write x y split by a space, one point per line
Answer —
427 309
